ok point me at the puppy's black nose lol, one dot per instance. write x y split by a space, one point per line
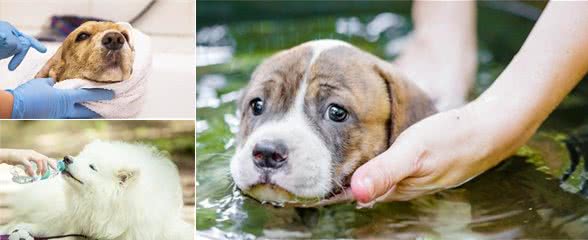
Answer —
113 41
270 154
68 160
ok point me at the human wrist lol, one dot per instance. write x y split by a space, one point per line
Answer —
506 124
4 155
7 104
7 155
505 101
17 110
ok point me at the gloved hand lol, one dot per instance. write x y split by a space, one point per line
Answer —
17 44
38 98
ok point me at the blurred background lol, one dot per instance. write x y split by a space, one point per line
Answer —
169 23
521 198
59 138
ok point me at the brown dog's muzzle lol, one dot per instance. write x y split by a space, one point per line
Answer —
113 41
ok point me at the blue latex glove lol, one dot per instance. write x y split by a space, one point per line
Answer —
17 44
38 98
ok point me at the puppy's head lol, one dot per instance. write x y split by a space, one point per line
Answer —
314 113
96 51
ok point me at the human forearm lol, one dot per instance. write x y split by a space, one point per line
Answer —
439 17
6 102
479 135
552 61
449 27
440 56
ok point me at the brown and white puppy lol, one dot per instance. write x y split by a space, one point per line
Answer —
313 114
95 51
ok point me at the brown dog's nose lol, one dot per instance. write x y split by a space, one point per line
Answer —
113 41
270 154
68 160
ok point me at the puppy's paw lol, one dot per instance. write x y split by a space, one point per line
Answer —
20 234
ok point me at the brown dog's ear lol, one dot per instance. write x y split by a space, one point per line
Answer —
409 104
52 68
128 33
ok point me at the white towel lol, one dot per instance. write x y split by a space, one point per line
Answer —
129 95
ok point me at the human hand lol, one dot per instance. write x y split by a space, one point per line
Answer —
17 44
38 98
25 157
442 151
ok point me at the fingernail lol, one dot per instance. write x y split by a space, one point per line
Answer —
368 185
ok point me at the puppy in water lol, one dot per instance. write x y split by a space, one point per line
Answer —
95 51
313 114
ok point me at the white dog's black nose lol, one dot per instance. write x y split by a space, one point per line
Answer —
270 154
113 41
68 160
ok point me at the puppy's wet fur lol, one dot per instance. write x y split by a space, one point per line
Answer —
298 87
95 51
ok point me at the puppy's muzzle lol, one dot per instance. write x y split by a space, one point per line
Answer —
113 41
270 154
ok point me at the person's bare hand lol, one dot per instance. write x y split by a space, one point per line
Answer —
442 151
25 157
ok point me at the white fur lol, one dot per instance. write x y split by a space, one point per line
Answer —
146 206
309 169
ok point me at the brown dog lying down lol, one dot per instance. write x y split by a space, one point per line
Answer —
95 51
313 114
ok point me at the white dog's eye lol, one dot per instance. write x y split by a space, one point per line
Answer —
93 168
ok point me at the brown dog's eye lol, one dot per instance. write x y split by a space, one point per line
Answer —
256 106
82 36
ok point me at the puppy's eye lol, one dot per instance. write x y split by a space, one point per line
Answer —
82 36
337 113
93 167
257 106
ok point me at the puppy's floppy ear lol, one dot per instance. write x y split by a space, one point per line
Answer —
241 98
409 104
53 67
127 176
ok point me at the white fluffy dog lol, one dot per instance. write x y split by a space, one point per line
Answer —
111 190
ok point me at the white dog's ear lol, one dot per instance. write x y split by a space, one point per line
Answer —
126 176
